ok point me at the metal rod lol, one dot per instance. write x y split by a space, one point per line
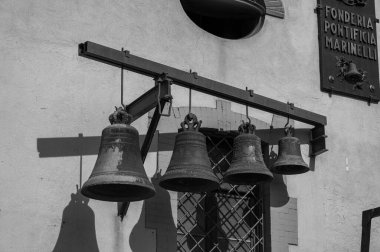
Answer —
189 100
196 82
122 84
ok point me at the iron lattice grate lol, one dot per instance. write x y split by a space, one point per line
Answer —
230 219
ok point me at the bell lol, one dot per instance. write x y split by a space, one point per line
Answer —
289 159
119 173
247 166
190 168
352 75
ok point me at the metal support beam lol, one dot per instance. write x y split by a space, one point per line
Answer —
367 217
192 80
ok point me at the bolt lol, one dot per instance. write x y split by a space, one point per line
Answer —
372 88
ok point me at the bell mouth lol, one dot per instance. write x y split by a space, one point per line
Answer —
231 19
194 185
117 192
248 178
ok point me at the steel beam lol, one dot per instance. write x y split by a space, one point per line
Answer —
191 80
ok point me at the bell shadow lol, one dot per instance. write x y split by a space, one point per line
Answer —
156 214
77 233
279 195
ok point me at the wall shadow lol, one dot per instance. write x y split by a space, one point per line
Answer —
77 233
157 215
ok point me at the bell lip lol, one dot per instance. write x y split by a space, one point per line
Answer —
209 180
148 193
245 175
292 164
128 181
208 186
290 169
252 178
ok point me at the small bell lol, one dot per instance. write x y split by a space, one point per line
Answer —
190 168
352 75
119 173
289 159
247 166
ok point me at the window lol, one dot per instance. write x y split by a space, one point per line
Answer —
231 19
233 218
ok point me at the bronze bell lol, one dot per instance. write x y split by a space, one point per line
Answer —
190 168
289 159
119 173
247 166
352 75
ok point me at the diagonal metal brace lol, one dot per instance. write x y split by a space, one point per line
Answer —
142 103
149 100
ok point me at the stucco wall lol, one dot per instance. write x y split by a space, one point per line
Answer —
48 91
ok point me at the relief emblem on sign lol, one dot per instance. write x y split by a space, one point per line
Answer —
348 48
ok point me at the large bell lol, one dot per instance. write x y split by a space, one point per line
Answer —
352 75
247 166
289 159
119 173
190 168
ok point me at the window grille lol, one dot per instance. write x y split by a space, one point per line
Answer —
229 219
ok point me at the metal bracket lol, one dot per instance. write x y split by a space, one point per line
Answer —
149 100
318 9
167 98
318 141
367 217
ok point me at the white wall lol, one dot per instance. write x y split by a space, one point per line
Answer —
50 92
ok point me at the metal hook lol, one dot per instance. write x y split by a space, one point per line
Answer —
246 108
122 83
287 123
290 105
189 100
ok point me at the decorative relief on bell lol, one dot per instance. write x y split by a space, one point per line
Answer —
289 160
119 174
247 166
190 169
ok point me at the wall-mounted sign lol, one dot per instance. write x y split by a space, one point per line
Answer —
348 48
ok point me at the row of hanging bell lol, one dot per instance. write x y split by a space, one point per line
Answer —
119 174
